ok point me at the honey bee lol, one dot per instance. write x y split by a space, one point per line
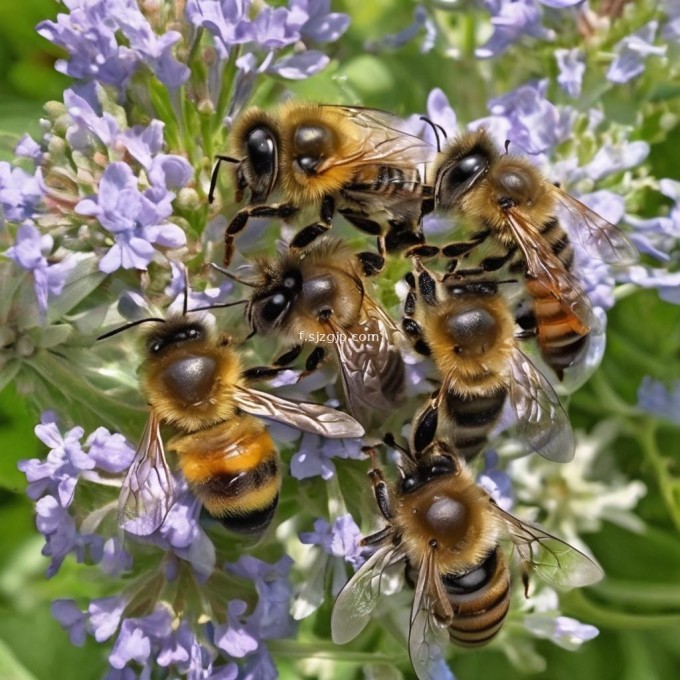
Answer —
533 220
359 162
194 381
446 532
464 324
318 296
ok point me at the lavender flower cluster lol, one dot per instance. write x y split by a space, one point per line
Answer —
103 212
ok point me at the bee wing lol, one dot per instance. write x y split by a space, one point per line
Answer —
427 636
305 416
372 369
389 136
553 560
543 423
148 490
543 264
355 602
600 238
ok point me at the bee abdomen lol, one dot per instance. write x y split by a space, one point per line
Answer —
473 418
239 488
479 611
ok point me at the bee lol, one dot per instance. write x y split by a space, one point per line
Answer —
533 220
359 162
447 532
464 324
194 381
318 296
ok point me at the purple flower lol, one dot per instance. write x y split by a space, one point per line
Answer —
29 252
632 52
88 123
320 25
525 117
611 159
314 455
565 632
58 474
422 22
340 539
71 619
88 34
662 401
571 64
511 21
227 21
667 283
495 482
20 193
274 590
104 616
27 147
300 66
234 637
182 533
110 452
136 222
139 636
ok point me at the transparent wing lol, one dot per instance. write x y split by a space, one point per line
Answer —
543 265
149 490
600 238
428 636
355 602
542 422
547 556
371 366
387 137
308 417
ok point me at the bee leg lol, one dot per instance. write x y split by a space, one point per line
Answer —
458 248
413 331
312 231
422 250
425 428
403 234
362 223
410 303
371 263
427 288
492 264
288 357
313 362
280 210
378 537
380 489
262 372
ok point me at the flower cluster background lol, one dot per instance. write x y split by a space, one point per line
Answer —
111 113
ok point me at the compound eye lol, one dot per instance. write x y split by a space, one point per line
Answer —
261 151
274 307
474 330
312 143
465 169
409 484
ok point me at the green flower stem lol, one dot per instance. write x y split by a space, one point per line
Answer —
160 100
226 89
609 400
664 595
660 464
321 649
575 603
635 355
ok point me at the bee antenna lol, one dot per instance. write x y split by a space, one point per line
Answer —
388 438
435 127
231 276
506 281
132 324
185 301
507 145
219 305
215 172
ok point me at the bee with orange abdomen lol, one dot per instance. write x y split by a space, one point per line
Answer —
464 324
319 297
359 162
447 534
194 382
510 202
